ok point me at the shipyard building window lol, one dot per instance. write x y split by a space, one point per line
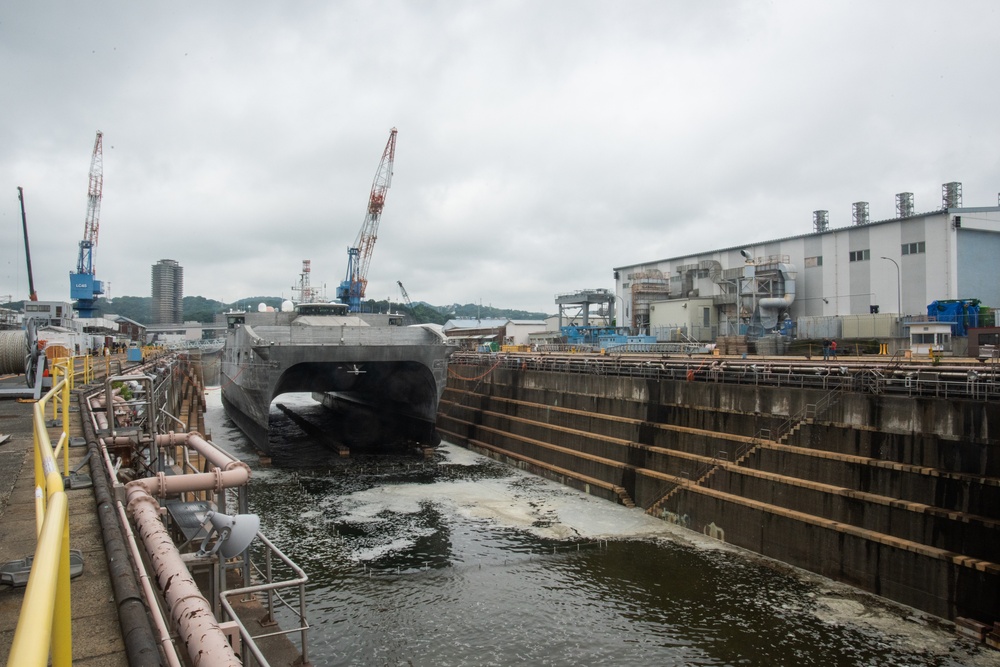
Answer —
861 255
989 339
812 262
914 248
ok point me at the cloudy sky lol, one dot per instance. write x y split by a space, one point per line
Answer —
541 143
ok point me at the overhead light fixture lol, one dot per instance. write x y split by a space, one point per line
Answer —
234 533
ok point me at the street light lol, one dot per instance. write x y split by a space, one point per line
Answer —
899 305
620 315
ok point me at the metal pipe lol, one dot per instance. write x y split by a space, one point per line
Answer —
140 644
166 640
192 614
197 442
189 610
161 485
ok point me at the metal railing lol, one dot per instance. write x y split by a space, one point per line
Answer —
45 622
272 591
977 382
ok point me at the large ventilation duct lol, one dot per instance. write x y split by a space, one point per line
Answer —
771 307
714 269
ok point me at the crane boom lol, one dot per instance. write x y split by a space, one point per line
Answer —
83 287
32 295
406 297
359 256
85 263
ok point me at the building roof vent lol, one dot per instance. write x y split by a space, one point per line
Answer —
821 221
859 212
951 195
904 204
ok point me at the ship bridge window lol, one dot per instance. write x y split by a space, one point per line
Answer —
321 309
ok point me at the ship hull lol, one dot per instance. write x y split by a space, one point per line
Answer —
386 380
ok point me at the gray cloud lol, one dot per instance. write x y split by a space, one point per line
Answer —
540 144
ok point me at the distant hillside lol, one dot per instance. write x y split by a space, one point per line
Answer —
200 309
140 308
474 311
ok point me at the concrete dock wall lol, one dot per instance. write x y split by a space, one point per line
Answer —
896 495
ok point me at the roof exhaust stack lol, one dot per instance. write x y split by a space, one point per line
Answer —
904 204
951 195
821 221
859 213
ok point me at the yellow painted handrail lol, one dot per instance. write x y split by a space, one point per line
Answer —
45 619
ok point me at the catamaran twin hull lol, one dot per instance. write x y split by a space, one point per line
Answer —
386 379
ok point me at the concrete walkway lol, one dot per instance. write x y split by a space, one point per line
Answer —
97 639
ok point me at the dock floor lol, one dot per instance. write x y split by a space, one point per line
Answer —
97 638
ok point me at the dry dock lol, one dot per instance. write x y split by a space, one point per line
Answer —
885 476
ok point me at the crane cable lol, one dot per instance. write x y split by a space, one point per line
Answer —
13 351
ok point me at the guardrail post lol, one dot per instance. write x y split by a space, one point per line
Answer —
65 429
62 621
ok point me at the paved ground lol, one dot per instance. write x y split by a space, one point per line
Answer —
97 640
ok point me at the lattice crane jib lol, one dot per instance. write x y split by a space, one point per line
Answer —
352 290
95 188
406 297
84 288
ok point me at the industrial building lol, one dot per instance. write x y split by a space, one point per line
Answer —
168 292
877 276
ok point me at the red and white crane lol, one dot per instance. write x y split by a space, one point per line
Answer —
83 287
359 256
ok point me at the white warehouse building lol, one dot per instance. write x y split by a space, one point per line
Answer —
897 266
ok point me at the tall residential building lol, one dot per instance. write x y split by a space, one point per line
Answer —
168 291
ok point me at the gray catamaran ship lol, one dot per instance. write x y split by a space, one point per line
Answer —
386 378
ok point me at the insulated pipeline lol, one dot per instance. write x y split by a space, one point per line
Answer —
140 641
13 351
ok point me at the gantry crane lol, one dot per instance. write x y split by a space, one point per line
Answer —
83 287
352 290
